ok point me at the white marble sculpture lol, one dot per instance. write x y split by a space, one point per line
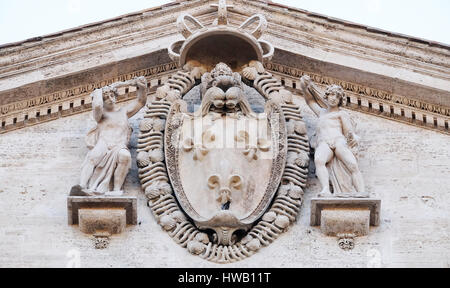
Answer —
109 160
333 142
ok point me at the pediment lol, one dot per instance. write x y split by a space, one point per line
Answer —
228 151
411 87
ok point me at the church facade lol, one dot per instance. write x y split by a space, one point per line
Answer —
204 134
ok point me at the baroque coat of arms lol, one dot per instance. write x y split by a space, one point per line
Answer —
223 153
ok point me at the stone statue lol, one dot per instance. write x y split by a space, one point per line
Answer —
333 142
109 160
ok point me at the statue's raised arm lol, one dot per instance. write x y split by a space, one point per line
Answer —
313 97
141 85
333 139
109 160
97 104
105 98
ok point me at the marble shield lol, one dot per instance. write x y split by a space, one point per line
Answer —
225 167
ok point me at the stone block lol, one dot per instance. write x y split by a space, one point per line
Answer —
288 83
75 203
336 221
154 82
353 99
375 105
441 122
111 220
32 114
408 113
320 204
88 99
9 121
365 103
54 109
66 105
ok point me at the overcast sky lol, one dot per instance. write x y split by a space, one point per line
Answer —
23 19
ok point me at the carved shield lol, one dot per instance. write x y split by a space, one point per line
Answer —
225 168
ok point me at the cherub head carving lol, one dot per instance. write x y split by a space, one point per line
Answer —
335 96
221 69
223 77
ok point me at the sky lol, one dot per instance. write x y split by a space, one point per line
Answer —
23 19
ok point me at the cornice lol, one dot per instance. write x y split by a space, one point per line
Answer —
288 28
322 19
178 5
372 101
396 61
93 45
361 98
292 24
157 15
75 100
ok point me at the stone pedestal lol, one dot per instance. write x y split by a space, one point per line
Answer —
102 216
102 203
110 220
345 218
345 221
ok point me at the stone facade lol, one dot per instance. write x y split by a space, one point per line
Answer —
397 90
406 167
393 75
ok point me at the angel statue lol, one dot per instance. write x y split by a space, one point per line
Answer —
107 163
333 142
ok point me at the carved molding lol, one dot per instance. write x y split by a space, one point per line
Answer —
373 101
364 99
359 89
311 29
72 101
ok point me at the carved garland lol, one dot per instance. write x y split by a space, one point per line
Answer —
155 181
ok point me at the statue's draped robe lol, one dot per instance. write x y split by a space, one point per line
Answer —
104 158
341 179
340 175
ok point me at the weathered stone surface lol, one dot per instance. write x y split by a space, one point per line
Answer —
75 204
112 220
38 73
335 142
412 183
108 161
345 221
318 205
